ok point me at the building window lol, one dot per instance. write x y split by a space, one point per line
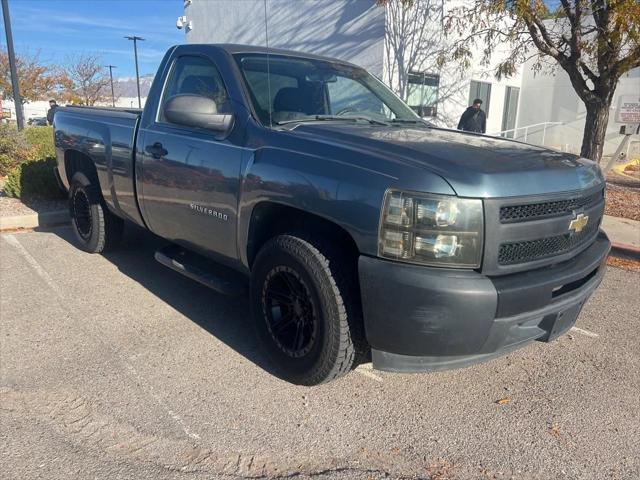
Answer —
481 90
510 111
423 93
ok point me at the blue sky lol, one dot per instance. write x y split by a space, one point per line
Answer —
57 29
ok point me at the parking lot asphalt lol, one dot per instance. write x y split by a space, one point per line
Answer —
116 367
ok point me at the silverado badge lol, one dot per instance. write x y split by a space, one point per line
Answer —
577 224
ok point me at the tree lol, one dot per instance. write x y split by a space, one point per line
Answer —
594 41
89 78
411 41
414 40
37 81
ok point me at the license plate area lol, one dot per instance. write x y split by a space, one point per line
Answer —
557 324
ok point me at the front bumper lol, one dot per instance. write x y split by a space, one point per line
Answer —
419 318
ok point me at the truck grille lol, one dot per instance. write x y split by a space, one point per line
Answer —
524 233
528 251
535 211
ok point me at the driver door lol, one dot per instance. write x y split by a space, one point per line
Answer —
190 176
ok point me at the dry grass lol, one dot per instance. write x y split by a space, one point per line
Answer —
622 201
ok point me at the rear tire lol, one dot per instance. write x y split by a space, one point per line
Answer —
95 227
306 311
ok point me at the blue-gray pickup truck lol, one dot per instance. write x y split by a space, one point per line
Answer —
358 230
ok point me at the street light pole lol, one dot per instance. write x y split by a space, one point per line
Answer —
17 99
135 52
113 97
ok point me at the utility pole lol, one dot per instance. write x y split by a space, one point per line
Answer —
17 99
113 97
135 52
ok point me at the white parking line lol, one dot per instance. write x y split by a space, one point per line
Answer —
585 332
42 273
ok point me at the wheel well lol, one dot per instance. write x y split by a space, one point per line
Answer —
75 161
271 219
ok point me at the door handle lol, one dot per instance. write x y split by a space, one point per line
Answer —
156 150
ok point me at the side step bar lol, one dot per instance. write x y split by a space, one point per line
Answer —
203 270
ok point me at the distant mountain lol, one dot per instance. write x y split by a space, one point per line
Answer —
126 86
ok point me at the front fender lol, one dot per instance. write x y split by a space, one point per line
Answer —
345 194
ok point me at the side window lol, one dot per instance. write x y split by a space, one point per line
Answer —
197 76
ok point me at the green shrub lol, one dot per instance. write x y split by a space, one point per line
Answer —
40 141
33 178
14 149
27 159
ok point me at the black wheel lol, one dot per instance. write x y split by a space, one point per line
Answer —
306 309
96 228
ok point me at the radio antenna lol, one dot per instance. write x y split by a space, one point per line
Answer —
266 36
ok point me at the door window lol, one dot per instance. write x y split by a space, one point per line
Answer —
197 76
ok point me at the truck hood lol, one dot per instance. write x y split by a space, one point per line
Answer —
474 165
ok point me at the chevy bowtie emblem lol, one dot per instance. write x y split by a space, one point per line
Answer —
578 223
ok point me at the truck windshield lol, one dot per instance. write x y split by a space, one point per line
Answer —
287 89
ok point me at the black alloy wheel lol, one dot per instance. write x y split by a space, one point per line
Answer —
289 312
306 308
81 213
95 227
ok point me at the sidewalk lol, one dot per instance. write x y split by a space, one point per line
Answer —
624 233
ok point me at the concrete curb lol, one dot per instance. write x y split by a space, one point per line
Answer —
623 250
35 220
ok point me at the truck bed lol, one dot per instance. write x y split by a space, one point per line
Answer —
107 137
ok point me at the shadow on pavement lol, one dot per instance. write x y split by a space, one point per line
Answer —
227 318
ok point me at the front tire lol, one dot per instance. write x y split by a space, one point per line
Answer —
95 227
306 310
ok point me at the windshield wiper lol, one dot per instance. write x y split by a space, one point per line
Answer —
350 118
411 121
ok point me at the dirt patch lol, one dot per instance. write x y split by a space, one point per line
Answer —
11 207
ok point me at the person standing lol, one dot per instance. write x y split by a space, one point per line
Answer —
473 119
53 106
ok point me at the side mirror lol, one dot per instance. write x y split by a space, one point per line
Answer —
196 111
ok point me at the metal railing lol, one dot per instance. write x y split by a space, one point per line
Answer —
526 128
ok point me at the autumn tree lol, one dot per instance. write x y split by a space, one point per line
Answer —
89 78
37 81
594 41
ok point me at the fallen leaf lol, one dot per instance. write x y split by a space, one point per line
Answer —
503 401
554 429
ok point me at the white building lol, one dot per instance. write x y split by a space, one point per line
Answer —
542 108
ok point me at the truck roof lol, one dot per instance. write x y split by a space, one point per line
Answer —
233 48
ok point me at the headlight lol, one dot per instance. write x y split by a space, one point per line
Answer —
431 229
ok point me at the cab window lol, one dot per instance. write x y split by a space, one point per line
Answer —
197 76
